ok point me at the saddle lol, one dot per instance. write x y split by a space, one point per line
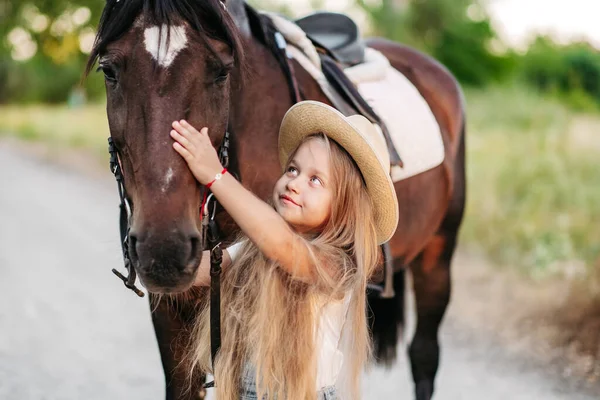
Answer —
336 32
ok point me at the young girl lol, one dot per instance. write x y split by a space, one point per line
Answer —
294 319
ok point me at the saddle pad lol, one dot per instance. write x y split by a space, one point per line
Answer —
412 126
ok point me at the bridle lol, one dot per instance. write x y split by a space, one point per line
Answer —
210 231
124 213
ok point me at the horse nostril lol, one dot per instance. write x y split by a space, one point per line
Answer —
195 248
132 246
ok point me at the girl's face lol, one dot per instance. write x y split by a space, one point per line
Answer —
302 196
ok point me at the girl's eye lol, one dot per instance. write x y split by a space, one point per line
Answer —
315 180
292 170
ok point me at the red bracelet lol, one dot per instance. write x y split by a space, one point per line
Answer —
217 177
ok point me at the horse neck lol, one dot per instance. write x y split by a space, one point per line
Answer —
257 109
237 10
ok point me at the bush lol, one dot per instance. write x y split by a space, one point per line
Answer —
462 48
572 71
41 81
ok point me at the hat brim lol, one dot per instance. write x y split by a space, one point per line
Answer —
310 117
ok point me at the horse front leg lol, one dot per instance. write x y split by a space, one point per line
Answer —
170 327
431 282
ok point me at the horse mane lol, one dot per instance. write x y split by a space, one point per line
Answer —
118 16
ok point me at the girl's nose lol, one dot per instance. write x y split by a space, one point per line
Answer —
292 185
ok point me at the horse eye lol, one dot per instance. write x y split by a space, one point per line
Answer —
222 77
109 73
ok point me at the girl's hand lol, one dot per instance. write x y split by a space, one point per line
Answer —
197 150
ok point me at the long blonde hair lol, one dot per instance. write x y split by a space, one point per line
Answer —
268 318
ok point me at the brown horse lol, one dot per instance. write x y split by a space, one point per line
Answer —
217 71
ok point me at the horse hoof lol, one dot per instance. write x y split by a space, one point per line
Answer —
424 390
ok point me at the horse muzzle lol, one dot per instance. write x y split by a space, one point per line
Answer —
166 264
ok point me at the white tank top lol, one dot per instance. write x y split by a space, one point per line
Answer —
328 330
327 340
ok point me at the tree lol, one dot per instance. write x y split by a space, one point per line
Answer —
43 47
456 32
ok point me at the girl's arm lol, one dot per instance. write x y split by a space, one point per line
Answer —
264 227
259 221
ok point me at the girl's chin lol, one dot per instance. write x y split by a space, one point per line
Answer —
290 220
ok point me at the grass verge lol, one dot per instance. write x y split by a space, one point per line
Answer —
534 183
57 126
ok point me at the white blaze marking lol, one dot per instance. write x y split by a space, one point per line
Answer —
164 53
168 179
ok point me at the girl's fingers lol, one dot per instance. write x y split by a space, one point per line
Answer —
189 132
183 151
180 138
182 130
188 127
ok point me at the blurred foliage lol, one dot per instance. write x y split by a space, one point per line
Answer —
42 81
458 33
533 181
53 28
58 126
571 72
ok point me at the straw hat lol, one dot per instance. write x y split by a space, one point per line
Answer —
359 137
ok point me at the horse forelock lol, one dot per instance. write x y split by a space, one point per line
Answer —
210 18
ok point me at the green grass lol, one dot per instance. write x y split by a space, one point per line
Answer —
85 127
533 173
533 182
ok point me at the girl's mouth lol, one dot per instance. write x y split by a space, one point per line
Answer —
288 200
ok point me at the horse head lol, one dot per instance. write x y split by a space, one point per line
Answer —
164 60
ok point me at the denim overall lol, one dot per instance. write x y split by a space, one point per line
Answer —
248 389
